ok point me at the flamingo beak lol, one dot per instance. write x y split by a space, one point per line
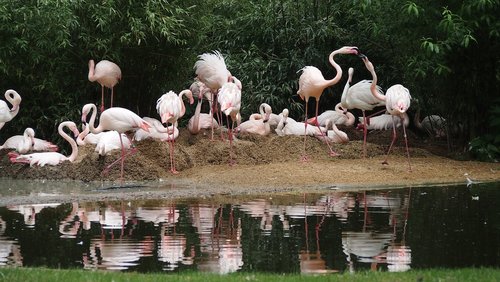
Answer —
362 56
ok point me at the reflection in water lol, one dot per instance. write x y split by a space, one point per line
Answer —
334 232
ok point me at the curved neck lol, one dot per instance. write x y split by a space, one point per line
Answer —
191 100
196 118
14 99
80 139
350 119
74 147
343 99
91 70
94 130
337 77
373 86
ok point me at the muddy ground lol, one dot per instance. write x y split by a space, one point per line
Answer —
267 164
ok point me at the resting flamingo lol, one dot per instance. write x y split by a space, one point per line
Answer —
288 126
359 96
109 141
433 125
120 119
229 99
6 113
339 116
157 131
335 135
51 158
85 137
107 74
27 142
383 122
258 125
170 107
397 101
212 71
312 84
200 120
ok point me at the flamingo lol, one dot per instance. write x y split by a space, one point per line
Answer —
397 101
433 125
27 142
120 119
107 74
157 131
288 126
108 141
85 137
6 113
170 107
261 125
51 158
383 122
339 117
312 84
359 96
335 135
212 71
229 98
200 120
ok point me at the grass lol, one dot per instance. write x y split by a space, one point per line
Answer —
54 275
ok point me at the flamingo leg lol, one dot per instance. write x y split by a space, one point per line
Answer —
123 156
230 137
102 98
365 133
394 136
304 157
172 161
406 143
332 153
112 96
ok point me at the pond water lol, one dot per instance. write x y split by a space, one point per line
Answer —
337 231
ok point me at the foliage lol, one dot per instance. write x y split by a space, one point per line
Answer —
487 147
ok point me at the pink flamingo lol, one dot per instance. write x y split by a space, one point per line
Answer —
27 142
312 84
157 131
339 116
258 125
383 122
288 126
359 96
212 71
335 135
120 119
108 74
397 101
170 107
229 98
6 113
50 158
200 120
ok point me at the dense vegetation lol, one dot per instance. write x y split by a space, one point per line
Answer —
446 55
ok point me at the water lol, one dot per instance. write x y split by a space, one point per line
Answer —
338 231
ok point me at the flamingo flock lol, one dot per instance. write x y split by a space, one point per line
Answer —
118 127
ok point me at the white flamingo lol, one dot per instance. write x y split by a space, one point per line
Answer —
51 158
288 126
27 142
107 74
6 113
229 99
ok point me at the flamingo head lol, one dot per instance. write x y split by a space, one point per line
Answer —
349 50
85 112
401 106
74 129
368 64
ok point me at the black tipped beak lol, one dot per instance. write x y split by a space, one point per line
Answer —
362 56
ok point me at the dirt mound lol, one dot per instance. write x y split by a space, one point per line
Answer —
151 161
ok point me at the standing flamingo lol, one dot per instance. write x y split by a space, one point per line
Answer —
51 158
120 119
200 120
212 71
229 99
312 84
108 74
397 101
170 107
359 96
6 113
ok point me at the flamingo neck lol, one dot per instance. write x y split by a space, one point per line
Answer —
196 118
74 146
373 86
91 71
183 108
14 99
94 130
338 76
